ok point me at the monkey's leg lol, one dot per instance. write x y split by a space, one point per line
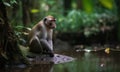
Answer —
35 46
46 47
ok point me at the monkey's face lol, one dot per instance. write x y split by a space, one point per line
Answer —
50 22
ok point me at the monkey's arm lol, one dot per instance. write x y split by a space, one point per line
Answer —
51 44
47 47
45 44
50 39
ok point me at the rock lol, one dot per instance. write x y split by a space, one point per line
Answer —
46 60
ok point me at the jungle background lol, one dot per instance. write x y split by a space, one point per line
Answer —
79 23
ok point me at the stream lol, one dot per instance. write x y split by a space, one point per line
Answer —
72 61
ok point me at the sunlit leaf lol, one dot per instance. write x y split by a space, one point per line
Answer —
87 33
29 29
74 5
107 3
4 55
13 1
87 50
7 4
107 50
34 11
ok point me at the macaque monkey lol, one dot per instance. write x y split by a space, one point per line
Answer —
40 37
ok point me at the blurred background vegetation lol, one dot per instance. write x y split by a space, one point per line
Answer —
77 17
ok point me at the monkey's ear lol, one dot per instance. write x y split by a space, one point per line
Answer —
44 19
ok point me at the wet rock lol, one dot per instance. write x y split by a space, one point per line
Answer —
45 59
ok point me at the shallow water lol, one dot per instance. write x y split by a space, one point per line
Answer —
84 62
91 62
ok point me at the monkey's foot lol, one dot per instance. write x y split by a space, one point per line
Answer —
47 53
51 54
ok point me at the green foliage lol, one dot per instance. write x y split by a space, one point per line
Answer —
51 7
85 20
81 21
88 5
9 3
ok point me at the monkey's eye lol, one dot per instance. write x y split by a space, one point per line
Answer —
50 24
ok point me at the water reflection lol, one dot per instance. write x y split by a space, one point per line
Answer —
39 64
33 68
85 62
92 62
40 68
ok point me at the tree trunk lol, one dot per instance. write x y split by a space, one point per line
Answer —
9 49
79 4
14 13
67 6
26 12
118 14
